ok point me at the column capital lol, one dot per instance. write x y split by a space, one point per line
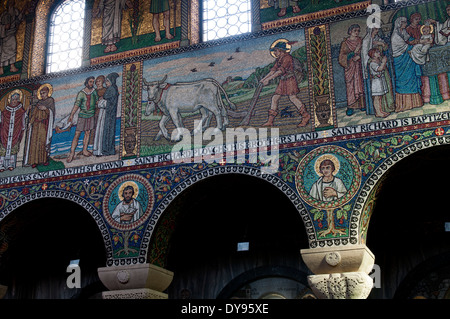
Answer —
340 272
141 293
135 280
350 285
339 259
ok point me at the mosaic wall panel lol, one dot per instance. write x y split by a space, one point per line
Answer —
121 29
349 101
13 23
137 28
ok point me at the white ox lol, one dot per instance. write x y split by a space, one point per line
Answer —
187 97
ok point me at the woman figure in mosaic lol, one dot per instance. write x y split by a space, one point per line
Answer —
407 72
99 116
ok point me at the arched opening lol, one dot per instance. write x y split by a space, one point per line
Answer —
268 282
407 227
42 238
216 214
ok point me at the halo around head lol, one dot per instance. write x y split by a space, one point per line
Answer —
330 157
281 44
16 91
426 25
48 86
129 183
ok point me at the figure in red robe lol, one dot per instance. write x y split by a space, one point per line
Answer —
12 127
350 60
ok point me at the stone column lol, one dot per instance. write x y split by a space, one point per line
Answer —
340 272
141 281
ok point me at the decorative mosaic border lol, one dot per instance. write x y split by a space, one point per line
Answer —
316 15
328 149
377 175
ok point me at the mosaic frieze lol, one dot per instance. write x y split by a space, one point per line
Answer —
325 93
123 29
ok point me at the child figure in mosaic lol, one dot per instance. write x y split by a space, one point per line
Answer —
328 187
419 52
379 85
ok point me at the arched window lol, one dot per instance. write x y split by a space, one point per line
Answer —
65 41
224 18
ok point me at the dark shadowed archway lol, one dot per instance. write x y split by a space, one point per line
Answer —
43 236
217 213
407 228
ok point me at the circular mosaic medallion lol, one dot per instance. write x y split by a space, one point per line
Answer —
128 202
328 177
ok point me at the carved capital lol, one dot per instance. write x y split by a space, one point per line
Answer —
143 293
329 260
350 285
135 277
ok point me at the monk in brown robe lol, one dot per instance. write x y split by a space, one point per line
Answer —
41 128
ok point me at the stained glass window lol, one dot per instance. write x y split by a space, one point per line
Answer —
65 43
224 18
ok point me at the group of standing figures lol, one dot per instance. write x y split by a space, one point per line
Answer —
96 108
111 12
369 70
36 123
97 112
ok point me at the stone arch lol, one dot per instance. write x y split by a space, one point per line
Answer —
90 209
211 218
42 235
290 193
267 272
428 280
366 200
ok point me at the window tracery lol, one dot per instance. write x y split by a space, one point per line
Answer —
66 36
225 18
